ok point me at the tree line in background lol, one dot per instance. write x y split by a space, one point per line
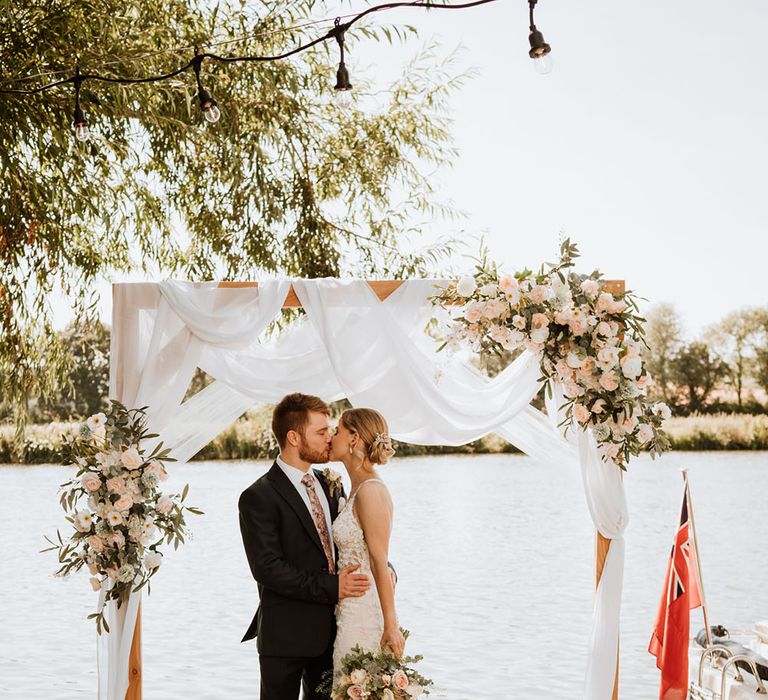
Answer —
725 370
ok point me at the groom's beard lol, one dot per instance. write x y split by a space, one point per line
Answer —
307 454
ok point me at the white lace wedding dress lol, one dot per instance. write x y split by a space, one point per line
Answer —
359 621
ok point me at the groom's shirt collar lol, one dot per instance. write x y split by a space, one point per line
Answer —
295 476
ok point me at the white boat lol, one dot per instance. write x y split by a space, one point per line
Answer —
733 667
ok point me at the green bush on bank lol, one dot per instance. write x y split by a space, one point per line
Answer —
249 438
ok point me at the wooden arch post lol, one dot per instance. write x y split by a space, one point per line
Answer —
382 288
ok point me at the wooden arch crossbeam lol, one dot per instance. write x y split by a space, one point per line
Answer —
382 288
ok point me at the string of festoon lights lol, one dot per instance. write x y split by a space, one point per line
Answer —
539 52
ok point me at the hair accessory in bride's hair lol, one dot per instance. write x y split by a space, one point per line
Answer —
380 437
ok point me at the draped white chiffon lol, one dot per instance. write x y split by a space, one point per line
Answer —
351 344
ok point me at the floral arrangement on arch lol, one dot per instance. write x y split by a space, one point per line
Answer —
365 675
114 503
589 340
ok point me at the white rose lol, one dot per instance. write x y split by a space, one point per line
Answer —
590 287
358 676
574 360
631 366
607 357
466 286
540 335
489 290
153 559
131 458
645 433
388 694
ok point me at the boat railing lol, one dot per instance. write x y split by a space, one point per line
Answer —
733 660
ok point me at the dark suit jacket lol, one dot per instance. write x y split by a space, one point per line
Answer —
297 593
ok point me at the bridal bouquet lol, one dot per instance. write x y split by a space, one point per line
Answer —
589 341
120 517
380 676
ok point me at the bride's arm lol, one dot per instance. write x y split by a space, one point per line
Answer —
374 510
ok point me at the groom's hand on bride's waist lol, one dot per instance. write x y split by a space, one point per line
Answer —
352 585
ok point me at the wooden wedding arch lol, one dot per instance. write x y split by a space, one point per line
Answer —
382 288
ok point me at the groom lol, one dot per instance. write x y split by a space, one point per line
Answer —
285 520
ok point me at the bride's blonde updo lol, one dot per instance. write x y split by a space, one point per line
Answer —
373 432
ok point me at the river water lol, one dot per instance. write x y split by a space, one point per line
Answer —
495 557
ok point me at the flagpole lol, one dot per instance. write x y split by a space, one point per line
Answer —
697 568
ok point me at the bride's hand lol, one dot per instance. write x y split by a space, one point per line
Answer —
393 638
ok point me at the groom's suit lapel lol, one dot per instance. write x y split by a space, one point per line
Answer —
282 484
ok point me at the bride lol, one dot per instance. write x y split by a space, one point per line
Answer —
361 533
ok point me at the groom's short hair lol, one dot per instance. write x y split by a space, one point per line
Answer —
292 413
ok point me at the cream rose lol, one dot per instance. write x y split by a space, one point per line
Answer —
116 484
604 302
91 481
539 321
116 539
598 407
95 544
153 559
358 676
156 468
539 294
388 694
466 286
489 290
518 322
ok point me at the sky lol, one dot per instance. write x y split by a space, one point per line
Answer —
647 144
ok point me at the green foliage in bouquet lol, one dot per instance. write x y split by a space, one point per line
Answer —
114 503
376 676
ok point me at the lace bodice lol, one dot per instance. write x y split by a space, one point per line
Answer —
359 621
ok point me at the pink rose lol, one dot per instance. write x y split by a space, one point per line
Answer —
355 692
562 317
474 311
581 412
91 481
538 294
518 322
95 543
589 365
115 539
156 468
116 484
400 680
131 458
618 307
164 505
124 502
608 381
539 321
508 284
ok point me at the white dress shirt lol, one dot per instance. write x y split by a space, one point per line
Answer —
295 476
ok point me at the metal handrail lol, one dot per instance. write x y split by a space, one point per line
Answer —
721 649
761 689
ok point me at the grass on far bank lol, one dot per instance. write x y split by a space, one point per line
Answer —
249 438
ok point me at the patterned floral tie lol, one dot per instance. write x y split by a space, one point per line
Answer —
320 523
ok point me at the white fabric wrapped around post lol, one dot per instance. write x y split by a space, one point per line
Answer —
350 344
607 503
154 354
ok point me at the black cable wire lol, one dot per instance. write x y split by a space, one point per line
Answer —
333 33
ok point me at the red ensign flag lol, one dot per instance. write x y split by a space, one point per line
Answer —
669 642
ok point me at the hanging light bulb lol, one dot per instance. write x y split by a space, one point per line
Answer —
540 49
343 87
82 133
209 106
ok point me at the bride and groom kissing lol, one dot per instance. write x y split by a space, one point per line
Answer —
320 560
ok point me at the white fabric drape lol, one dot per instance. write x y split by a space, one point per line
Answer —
349 344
